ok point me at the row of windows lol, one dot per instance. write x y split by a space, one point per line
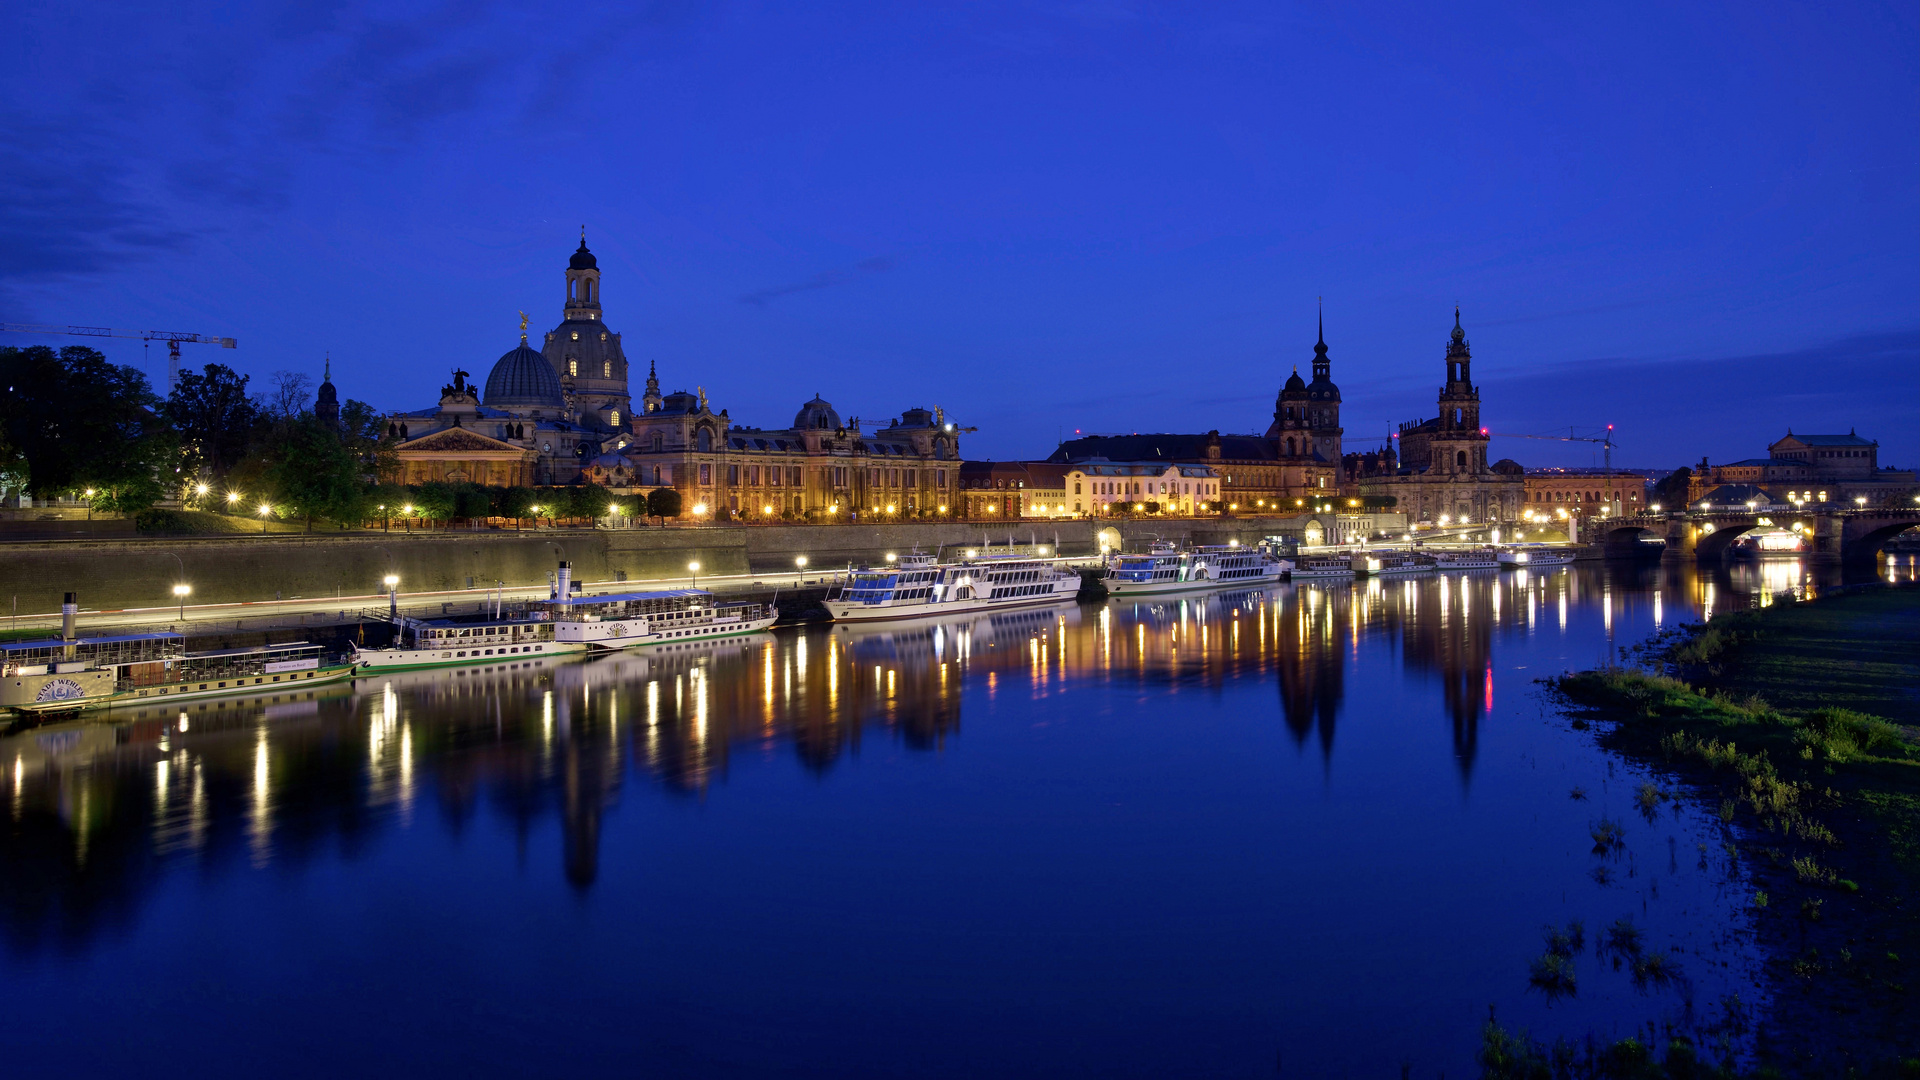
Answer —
1020 590
606 372
1581 496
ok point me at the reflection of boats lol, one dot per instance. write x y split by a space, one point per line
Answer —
626 620
1476 559
1165 568
1534 557
71 672
1389 563
652 661
950 634
1323 566
916 586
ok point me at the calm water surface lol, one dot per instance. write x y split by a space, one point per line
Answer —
1313 828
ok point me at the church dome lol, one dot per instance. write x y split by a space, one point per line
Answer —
583 259
523 377
817 414
1294 383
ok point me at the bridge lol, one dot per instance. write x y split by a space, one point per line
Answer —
1852 535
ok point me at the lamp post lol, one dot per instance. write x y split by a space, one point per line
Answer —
694 569
392 582
800 565
264 511
180 592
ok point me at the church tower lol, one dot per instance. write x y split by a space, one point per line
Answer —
650 401
587 356
1459 445
326 406
1323 402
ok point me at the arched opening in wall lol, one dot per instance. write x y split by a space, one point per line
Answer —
606 369
1290 451
1460 458
586 291
573 289
704 441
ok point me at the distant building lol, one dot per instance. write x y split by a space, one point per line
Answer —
1443 469
1295 462
1047 489
1811 468
1587 492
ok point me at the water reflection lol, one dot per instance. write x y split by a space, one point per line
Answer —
98 810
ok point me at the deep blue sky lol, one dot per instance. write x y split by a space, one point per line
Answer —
1698 222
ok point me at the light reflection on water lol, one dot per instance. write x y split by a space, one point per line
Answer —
1323 821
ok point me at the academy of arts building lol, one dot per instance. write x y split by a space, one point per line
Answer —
563 414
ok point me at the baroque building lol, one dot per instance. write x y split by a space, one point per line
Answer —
1296 462
1813 469
1443 467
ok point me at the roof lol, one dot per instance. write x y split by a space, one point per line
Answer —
45 643
1730 494
1166 447
1762 462
582 258
1849 439
523 377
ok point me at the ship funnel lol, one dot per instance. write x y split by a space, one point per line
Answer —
69 611
563 583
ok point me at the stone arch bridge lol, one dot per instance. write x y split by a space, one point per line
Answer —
1850 535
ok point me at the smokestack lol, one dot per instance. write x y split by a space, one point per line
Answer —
69 610
564 582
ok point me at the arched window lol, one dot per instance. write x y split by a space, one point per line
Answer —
1290 450
659 442
704 440
573 366
606 369
1460 459
614 417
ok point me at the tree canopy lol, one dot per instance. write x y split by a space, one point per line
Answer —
80 422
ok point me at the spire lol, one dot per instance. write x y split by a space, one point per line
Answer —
1322 306
326 375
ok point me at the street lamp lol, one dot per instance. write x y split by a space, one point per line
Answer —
694 569
891 556
232 497
265 510
392 582
1859 500
800 563
181 590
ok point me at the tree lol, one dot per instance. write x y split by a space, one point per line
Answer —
82 422
1672 491
214 418
288 394
588 501
515 502
663 503
365 432
436 500
314 474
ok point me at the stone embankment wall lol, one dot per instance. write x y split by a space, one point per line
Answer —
137 573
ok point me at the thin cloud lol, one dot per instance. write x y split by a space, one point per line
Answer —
823 280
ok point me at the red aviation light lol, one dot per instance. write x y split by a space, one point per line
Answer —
1483 431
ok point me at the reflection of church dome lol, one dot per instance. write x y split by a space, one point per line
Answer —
817 414
523 377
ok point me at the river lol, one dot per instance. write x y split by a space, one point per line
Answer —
1317 829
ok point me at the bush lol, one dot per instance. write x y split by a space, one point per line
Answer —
161 523
664 502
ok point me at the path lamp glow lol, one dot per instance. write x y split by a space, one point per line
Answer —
699 509
180 592
1859 500
392 582
694 569
265 510
891 556
800 563
232 497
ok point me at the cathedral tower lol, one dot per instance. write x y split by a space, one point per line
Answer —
587 356
1459 445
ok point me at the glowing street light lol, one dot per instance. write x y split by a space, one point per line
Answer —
265 511
694 569
392 582
199 489
800 561
699 509
181 591
891 556
232 497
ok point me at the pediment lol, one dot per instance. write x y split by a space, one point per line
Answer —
459 441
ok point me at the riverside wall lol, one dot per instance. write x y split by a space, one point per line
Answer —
140 573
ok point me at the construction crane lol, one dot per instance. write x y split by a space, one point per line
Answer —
171 337
1605 439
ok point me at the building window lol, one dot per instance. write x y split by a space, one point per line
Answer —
793 478
704 441
659 442
573 366
606 369
706 475
614 416
733 475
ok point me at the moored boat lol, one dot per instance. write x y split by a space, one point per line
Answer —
917 586
1533 557
1165 568
1322 566
1476 559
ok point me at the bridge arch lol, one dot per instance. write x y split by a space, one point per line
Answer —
1714 544
1865 547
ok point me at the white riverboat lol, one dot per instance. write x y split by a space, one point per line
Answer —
1165 568
1476 559
423 643
72 673
1322 566
1531 557
918 586
632 619
1390 563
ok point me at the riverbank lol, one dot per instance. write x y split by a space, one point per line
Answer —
1799 722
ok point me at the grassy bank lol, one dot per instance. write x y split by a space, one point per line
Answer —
1797 722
